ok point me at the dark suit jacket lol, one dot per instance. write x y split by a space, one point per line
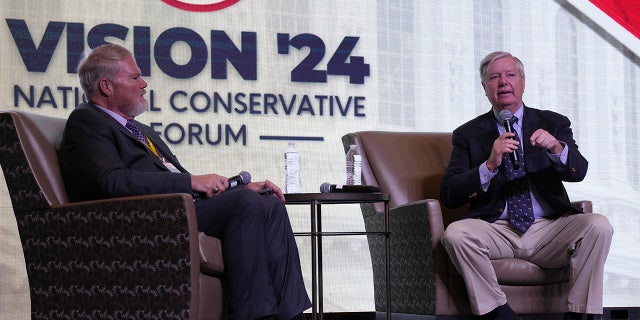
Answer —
100 158
472 144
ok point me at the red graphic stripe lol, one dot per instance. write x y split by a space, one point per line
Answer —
624 12
200 7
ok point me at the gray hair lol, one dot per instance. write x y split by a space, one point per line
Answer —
98 63
491 57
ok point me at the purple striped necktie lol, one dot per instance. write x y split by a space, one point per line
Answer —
133 127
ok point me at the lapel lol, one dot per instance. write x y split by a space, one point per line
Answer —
160 147
149 133
487 131
532 155
158 144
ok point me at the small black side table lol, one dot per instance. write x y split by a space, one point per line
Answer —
316 200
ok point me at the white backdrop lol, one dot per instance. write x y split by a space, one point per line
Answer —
417 71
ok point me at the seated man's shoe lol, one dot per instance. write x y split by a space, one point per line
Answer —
503 312
298 317
572 316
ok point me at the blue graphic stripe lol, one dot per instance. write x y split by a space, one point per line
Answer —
291 138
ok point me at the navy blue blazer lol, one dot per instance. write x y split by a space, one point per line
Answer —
472 144
100 158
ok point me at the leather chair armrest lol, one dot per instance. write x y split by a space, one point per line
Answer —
212 263
585 205
140 252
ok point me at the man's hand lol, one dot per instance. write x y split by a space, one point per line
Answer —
504 144
209 184
275 190
543 139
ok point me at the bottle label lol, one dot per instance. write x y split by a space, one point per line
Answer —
357 169
354 169
292 172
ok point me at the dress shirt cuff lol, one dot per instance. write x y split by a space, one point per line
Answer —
559 159
486 175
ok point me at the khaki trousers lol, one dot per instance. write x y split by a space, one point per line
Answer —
579 240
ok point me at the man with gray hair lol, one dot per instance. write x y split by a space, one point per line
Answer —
106 153
509 166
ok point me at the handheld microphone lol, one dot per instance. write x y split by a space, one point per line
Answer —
348 188
506 116
241 179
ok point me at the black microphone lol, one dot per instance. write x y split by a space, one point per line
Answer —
506 116
348 188
242 178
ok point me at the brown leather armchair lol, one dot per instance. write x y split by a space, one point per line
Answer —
117 258
409 167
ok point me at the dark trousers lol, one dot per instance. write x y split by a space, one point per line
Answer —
260 253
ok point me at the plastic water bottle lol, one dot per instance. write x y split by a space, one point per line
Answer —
292 169
354 166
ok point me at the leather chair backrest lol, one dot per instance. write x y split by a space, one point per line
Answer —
40 137
408 166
